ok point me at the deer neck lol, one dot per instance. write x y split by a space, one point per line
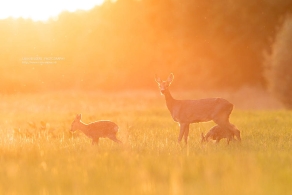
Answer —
169 100
82 127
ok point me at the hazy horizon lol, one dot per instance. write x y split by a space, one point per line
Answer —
43 10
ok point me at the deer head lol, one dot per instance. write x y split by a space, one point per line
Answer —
75 123
163 85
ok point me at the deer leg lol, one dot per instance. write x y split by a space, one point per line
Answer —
186 133
218 140
203 138
115 139
235 132
209 135
182 130
228 140
95 141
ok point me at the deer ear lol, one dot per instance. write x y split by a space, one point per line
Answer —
78 116
157 79
170 78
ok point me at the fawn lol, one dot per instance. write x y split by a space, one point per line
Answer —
96 130
217 133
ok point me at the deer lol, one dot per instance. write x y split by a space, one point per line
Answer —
217 133
186 112
96 130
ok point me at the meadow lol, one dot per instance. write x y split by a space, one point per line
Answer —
38 155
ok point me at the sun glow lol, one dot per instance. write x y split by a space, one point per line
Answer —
41 10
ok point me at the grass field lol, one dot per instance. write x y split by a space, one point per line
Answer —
38 155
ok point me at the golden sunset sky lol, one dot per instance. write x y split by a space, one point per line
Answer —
41 10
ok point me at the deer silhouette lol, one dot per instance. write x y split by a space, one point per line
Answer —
96 130
186 112
217 133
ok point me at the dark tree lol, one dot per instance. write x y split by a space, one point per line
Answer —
279 64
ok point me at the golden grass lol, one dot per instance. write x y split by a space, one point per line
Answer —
40 156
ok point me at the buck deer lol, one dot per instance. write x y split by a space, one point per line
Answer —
217 133
186 112
96 129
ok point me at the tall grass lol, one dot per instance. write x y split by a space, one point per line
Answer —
40 156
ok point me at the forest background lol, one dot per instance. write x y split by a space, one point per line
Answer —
123 44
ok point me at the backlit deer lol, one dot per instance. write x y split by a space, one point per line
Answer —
217 133
96 130
186 112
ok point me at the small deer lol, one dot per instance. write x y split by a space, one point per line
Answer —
217 133
186 112
96 130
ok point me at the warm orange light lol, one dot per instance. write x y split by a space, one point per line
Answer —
41 10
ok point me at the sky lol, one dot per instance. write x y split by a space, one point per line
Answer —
42 10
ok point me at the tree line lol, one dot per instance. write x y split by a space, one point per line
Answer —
207 44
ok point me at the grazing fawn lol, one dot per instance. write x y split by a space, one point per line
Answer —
96 130
186 112
217 133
